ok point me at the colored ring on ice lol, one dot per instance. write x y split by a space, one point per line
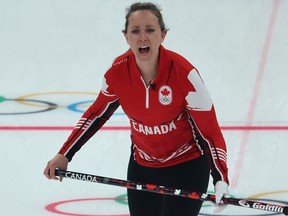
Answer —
48 106
122 199
54 207
75 107
267 193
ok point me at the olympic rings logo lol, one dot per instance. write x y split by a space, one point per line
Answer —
122 199
165 100
34 103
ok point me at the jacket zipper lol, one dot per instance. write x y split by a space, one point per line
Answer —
147 94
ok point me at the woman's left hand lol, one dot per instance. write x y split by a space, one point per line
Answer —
221 190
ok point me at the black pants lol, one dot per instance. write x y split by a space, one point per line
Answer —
191 176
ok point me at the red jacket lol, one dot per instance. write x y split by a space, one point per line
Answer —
172 120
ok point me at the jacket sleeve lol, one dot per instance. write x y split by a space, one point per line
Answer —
91 121
201 110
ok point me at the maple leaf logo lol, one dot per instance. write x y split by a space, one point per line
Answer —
165 95
165 92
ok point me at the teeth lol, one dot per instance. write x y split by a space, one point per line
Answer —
143 47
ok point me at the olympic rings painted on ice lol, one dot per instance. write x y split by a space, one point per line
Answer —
31 100
52 93
122 199
48 106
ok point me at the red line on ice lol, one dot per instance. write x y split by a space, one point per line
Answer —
255 95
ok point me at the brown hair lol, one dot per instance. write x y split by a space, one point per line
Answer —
155 9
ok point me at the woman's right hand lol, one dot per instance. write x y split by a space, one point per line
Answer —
60 162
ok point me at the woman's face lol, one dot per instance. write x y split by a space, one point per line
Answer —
144 35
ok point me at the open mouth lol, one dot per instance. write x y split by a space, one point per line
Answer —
144 49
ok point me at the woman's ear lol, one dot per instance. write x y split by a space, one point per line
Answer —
163 34
126 37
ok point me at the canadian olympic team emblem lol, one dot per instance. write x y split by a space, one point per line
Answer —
165 95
